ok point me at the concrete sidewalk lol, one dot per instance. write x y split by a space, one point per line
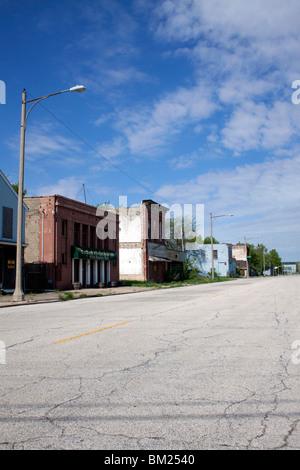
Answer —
6 300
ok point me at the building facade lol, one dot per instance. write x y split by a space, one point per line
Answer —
63 237
8 233
289 267
224 263
144 255
240 254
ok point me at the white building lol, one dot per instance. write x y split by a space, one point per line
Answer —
143 253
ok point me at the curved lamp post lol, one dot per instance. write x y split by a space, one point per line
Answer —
211 241
18 293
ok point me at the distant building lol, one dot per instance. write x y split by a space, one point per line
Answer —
8 233
62 242
224 263
289 267
144 255
240 254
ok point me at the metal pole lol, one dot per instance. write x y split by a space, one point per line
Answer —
18 293
43 226
212 249
247 261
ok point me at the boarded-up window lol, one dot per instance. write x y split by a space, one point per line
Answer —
92 237
7 222
76 234
64 228
85 236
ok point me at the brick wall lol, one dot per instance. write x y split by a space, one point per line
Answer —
52 240
32 230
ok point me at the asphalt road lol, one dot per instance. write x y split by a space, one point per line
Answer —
213 366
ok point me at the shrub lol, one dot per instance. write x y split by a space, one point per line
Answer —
65 296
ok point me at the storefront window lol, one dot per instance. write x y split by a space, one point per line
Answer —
7 222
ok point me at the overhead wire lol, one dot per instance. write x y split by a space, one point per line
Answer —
95 150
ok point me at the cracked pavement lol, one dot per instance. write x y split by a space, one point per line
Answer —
199 367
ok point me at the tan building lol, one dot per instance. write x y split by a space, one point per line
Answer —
241 253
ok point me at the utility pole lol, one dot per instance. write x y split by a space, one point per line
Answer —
212 249
247 261
19 293
84 193
212 241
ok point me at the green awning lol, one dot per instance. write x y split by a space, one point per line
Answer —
84 253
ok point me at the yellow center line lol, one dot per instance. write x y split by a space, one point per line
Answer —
218 295
91 332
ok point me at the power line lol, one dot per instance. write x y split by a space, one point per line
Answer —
93 149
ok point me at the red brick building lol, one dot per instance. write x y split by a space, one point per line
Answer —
63 236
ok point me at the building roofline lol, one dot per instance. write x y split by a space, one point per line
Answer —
6 180
150 201
58 196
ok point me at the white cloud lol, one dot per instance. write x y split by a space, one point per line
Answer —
238 89
184 161
256 126
182 20
111 151
247 190
68 187
150 129
238 68
43 140
243 131
264 198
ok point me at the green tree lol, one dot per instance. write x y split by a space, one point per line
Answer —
273 259
189 269
16 188
256 261
105 205
207 241
259 257
180 231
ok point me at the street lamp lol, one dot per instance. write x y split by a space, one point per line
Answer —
211 241
18 293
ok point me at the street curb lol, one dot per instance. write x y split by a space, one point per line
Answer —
87 296
104 293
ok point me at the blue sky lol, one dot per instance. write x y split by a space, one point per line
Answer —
185 102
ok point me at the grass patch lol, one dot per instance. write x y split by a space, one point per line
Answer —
63 296
141 284
186 282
